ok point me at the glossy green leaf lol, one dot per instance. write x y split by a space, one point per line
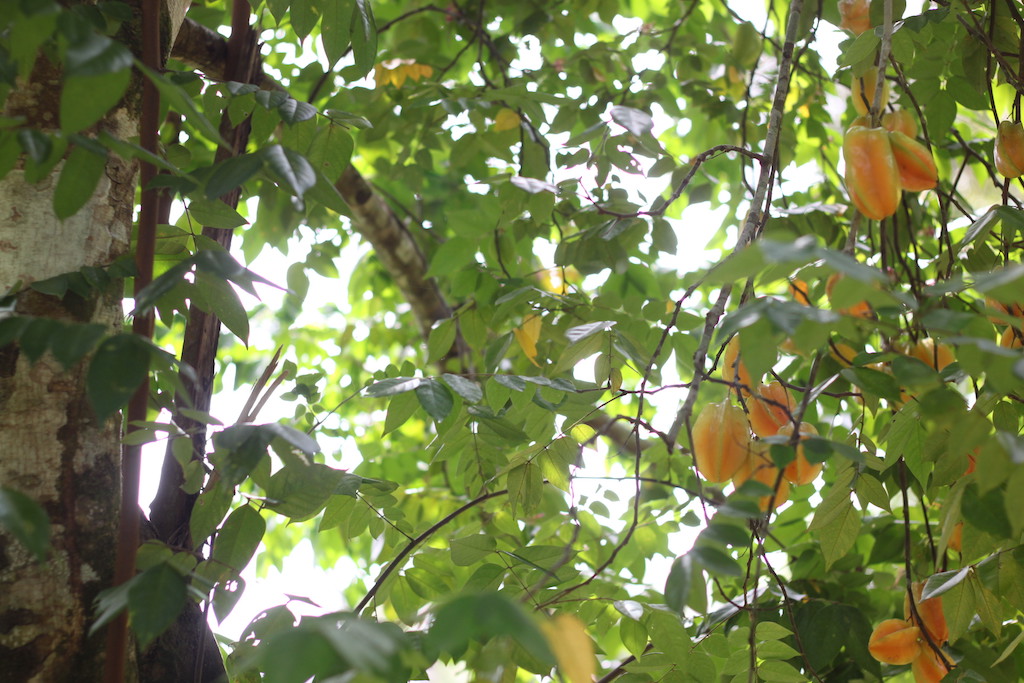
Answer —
215 214
85 99
118 368
335 29
239 537
435 398
26 520
363 29
154 600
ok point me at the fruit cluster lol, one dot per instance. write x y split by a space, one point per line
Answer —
727 441
915 641
883 161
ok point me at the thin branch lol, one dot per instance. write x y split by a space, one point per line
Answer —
142 325
404 552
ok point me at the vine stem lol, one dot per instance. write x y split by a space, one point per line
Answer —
142 325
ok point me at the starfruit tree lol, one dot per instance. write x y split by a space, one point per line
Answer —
639 341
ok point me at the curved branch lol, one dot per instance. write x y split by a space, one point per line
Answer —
397 562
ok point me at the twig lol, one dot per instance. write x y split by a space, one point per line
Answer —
404 552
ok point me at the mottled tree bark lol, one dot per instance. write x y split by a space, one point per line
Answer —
52 448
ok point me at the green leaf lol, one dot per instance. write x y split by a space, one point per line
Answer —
335 29
524 488
214 295
301 491
181 101
278 8
293 168
959 609
78 180
226 595
303 16
440 340
232 173
779 672
35 144
986 512
118 368
400 409
241 447
677 585
716 562
209 509
155 599
364 37
469 550
533 185
215 214
294 111
84 100
96 55
75 341
331 152
467 389
295 656
239 537
575 334
26 520
481 617
435 399
635 121
988 606
836 524
393 385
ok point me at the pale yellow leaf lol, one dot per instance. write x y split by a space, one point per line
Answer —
506 120
573 648
527 336
615 380
582 433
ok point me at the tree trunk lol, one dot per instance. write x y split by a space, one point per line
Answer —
52 447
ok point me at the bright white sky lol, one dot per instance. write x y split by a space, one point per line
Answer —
302 575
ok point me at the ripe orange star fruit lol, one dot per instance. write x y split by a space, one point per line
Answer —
801 291
895 641
863 90
872 176
929 352
860 309
759 467
842 352
769 407
932 618
1011 338
733 369
854 16
928 667
1010 149
1014 310
900 120
914 163
721 441
801 470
